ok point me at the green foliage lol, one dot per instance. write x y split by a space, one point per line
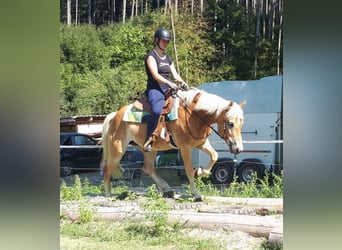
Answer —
86 212
76 193
117 235
102 67
81 47
71 193
122 192
126 43
156 211
204 186
78 190
256 188
268 245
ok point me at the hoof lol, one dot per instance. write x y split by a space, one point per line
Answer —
198 199
123 195
169 194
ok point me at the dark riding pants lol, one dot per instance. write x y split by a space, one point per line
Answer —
157 100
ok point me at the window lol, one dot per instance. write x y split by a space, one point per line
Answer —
83 140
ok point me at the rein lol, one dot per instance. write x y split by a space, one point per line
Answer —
190 111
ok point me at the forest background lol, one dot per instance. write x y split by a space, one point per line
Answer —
103 44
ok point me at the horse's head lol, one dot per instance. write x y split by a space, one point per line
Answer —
231 126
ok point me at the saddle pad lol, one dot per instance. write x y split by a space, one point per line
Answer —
132 114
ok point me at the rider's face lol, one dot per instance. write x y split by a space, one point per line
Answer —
163 43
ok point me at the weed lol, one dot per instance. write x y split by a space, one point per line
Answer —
261 188
266 245
155 210
122 192
203 185
86 212
91 189
71 193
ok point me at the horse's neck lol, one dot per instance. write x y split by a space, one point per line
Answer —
211 107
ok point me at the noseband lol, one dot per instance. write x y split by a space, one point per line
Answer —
227 126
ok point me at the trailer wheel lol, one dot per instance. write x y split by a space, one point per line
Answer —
248 170
222 173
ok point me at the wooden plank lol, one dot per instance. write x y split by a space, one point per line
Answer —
276 236
254 225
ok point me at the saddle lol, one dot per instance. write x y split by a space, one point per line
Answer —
143 104
161 130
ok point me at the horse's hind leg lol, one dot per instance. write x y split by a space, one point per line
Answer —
207 148
149 158
112 167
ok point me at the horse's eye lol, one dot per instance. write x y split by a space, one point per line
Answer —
231 124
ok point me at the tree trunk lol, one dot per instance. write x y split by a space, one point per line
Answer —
201 7
258 20
166 2
257 37
89 11
264 14
132 10
76 11
114 11
123 11
68 12
247 14
273 18
270 20
174 39
279 40
136 7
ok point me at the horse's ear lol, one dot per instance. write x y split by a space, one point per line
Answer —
226 109
242 104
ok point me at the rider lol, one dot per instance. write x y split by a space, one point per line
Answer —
158 66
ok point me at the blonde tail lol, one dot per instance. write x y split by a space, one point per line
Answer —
105 127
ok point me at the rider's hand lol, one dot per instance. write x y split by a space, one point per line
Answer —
184 86
172 85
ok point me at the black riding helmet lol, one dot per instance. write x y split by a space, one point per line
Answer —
162 34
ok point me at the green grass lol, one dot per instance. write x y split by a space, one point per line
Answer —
130 235
256 188
271 186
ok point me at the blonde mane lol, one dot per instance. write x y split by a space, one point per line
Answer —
211 103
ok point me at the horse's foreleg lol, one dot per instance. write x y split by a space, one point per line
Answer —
189 170
149 158
207 148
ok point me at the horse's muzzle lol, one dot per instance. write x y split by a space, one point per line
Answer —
234 149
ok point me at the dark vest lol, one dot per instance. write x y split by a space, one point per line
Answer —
163 66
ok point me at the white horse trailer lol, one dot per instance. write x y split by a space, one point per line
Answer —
261 134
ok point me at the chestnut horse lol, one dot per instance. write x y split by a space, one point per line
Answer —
197 111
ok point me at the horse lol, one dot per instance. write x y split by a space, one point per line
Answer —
197 111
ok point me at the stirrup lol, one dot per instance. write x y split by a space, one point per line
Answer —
148 145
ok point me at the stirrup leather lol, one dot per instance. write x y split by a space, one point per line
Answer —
149 143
